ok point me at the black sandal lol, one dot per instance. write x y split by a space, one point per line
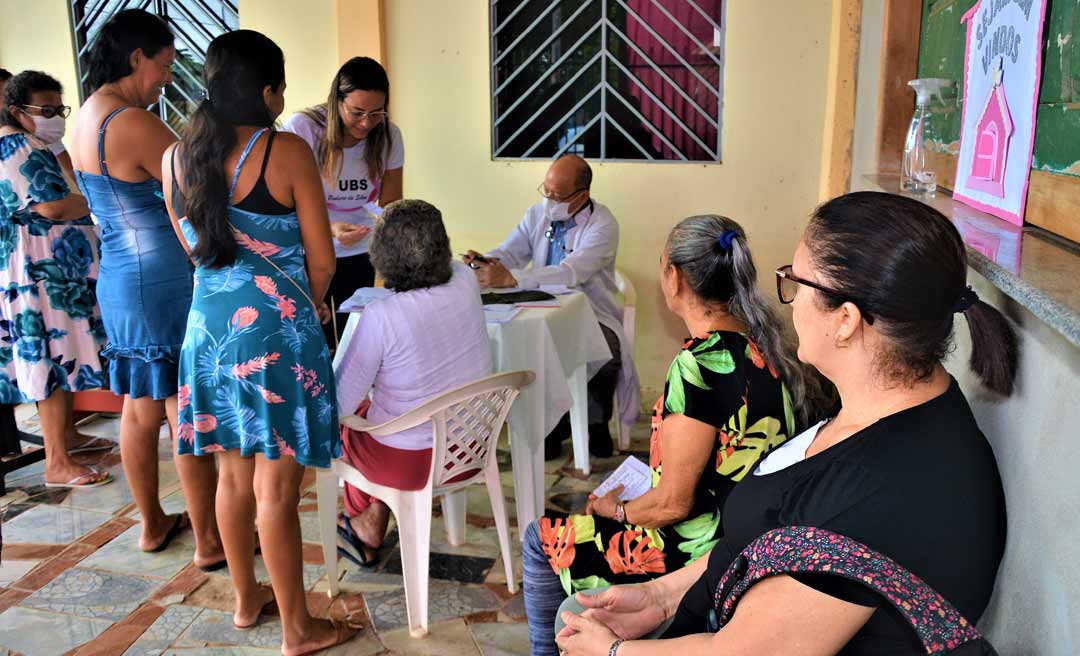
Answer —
354 547
178 526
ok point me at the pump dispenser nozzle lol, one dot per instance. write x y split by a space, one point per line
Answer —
927 87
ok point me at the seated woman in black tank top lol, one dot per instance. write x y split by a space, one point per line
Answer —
258 200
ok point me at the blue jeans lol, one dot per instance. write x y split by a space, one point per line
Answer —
543 594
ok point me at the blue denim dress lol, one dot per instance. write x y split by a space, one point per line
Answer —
145 281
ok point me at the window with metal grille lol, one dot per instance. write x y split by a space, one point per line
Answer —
195 24
607 79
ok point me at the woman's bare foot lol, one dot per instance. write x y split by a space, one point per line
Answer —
157 536
67 471
248 610
323 634
370 525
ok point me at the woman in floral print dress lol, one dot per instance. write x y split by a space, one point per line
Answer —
50 330
256 385
726 404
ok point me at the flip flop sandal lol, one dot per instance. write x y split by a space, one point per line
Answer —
97 444
223 563
75 484
345 633
179 525
353 549
352 618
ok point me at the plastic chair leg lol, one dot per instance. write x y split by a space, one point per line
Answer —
326 492
414 530
502 523
620 430
454 512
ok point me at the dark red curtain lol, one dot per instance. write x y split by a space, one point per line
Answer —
693 54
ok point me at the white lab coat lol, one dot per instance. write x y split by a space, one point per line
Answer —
588 266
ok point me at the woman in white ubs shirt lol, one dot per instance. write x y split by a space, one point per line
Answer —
360 155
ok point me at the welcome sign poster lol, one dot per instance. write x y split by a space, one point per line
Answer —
1002 71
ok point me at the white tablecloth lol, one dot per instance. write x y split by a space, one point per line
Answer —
557 344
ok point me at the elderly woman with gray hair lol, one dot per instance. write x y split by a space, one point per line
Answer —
730 398
426 338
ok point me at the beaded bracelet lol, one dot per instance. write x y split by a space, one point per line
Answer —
615 647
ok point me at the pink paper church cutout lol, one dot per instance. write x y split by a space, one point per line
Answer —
993 131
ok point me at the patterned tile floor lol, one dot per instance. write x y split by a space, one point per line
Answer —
72 580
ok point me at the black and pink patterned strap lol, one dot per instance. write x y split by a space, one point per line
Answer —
804 550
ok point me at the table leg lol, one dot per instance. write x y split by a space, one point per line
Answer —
528 465
579 418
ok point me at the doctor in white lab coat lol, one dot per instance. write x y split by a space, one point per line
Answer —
570 239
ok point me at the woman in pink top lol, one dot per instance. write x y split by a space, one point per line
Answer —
425 339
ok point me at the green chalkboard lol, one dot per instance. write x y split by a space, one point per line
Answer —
1057 128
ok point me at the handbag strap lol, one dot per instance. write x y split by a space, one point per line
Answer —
803 550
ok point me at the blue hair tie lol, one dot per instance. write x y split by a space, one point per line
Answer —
724 241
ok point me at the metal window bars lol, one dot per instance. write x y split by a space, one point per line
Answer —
195 23
609 79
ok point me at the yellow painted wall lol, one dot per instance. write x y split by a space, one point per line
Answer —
307 33
774 80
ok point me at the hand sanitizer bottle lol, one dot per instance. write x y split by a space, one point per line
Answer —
916 176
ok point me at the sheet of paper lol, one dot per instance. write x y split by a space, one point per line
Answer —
500 313
362 297
635 477
557 290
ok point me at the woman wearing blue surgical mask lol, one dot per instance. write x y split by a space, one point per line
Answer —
361 157
146 277
51 333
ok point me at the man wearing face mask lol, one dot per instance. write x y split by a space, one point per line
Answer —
570 239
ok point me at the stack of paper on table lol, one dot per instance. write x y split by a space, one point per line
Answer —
635 477
362 297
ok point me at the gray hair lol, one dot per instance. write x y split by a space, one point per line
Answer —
410 248
720 274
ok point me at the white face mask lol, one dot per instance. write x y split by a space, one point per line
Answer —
49 130
556 211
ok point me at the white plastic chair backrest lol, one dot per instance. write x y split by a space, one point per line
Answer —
626 288
465 422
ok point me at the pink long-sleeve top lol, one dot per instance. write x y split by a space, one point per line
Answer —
411 347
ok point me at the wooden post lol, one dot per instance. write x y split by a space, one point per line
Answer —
839 133
899 64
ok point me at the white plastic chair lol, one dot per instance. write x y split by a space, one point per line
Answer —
466 423
629 321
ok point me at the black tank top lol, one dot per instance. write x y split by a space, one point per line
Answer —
258 200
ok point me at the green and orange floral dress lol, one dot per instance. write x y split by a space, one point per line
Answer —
722 380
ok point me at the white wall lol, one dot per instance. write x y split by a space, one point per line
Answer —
1036 438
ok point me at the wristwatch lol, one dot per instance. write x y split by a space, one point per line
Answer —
620 512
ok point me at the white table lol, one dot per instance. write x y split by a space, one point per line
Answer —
557 344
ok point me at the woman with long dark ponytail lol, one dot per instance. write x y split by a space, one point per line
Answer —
256 388
360 155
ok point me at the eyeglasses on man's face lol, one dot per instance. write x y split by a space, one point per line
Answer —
558 198
787 286
49 111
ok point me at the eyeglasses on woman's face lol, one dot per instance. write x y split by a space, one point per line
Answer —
49 111
787 286
358 115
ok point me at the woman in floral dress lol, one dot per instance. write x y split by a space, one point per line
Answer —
256 386
50 329
726 404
